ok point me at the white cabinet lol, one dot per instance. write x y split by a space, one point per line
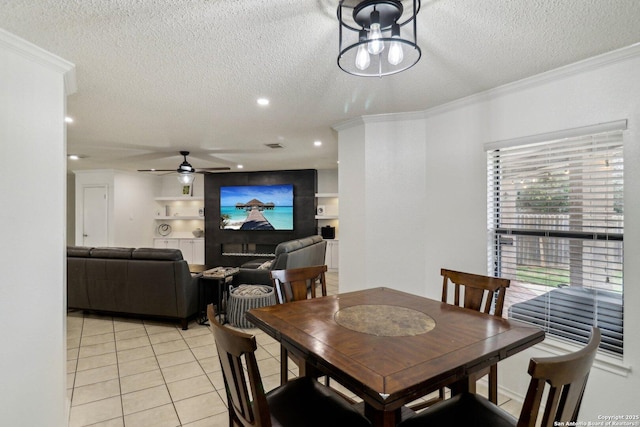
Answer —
166 243
192 249
332 255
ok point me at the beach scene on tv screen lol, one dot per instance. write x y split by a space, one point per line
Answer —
256 207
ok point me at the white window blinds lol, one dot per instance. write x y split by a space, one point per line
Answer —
556 229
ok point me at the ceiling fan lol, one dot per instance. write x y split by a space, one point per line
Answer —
185 167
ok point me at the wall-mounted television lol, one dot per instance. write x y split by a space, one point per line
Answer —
256 207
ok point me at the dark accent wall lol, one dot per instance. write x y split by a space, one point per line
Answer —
305 184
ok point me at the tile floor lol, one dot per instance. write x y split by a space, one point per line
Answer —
136 373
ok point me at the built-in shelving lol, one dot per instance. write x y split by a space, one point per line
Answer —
179 208
178 199
330 203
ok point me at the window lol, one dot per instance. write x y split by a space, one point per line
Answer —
556 229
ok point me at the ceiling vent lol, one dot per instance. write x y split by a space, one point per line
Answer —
274 145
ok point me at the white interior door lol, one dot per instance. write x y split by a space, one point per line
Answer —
95 218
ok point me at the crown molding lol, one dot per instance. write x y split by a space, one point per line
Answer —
589 64
36 54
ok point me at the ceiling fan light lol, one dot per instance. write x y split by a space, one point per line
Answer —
186 178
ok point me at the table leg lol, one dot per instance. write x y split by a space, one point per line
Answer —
382 418
202 305
465 385
220 291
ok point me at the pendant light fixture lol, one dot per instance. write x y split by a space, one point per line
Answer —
377 37
186 172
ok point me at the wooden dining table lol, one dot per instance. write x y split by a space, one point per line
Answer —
390 347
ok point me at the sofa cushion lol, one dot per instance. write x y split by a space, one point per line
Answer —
79 251
112 253
157 254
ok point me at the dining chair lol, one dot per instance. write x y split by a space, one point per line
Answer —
565 378
476 292
297 284
300 402
294 285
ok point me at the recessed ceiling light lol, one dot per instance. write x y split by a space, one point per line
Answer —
263 101
317 143
68 119
240 166
74 157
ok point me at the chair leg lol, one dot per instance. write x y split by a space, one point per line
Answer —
493 384
284 365
422 405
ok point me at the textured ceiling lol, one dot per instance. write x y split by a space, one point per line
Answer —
158 76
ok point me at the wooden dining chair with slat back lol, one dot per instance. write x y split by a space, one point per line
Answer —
565 377
294 285
476 292
300 402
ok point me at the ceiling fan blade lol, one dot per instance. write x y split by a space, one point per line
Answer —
156 170
208 170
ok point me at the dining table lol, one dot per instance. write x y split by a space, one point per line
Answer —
390 347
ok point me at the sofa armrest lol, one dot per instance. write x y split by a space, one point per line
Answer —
252 276
186 290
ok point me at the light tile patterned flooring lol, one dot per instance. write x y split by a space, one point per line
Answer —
136 373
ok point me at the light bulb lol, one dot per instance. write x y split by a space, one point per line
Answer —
395 48
395 53
362 58
375 44
362 55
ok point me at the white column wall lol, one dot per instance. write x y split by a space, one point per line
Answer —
32 256
353 215
449 167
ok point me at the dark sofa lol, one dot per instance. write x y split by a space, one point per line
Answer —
568 313
304 252
146 281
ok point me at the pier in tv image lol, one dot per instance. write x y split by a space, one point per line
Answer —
256 207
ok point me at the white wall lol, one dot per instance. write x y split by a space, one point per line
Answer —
328 180
134 209
32 257
431 174
131 206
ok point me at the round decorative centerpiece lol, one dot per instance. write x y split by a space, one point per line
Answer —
400 321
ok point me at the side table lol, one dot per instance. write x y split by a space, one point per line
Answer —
218 276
